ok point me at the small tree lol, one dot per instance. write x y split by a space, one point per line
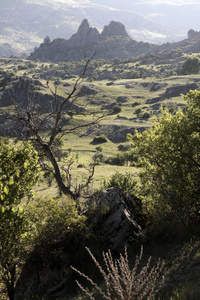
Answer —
191 66
169 152
46 126
19 171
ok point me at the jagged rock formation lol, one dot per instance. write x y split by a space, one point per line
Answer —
85 35
121 225
115 28
192 34
114 41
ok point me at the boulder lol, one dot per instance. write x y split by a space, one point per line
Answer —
122 223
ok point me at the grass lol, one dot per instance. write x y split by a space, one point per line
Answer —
140 92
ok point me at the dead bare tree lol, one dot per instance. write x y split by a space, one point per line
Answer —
46 126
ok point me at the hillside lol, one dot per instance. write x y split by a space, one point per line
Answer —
25 23
130 91
112 42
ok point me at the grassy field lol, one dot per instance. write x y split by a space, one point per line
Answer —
136 92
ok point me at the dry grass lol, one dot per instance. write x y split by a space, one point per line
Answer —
122 282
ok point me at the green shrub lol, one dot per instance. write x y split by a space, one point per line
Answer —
117 109
124 147
169 154
191 66
55 219
100 139
146 115
138 111
123 182
135 104
98 157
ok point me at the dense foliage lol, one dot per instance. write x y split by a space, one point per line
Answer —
191 66
123 182
169 152
19 171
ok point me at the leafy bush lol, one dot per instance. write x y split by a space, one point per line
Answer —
98 157
121 159
169 154
146 115
100 139
135 104
124 147
117 109
138 111
191 66
123 182
55 219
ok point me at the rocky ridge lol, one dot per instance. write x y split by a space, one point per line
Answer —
112 42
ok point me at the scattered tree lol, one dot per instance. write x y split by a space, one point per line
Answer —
191 66
46 128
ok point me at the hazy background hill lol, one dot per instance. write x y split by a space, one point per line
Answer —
25 23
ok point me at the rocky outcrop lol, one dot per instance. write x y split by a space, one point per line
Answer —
192 34
173 91
118 222
121 224
115 28
84 36
114 41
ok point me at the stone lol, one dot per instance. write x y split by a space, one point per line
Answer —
115 28
84 36
192 34
122 224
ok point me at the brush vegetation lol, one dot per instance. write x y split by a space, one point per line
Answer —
159 163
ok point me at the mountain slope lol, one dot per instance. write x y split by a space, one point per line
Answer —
25 23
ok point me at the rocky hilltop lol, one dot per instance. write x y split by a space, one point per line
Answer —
192 34
113 41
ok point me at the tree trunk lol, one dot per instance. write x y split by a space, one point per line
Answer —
65 189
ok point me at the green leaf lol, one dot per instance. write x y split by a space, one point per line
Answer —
11 181
6 190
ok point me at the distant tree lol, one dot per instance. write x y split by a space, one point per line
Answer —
191 66
46 128
169 152
19 171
